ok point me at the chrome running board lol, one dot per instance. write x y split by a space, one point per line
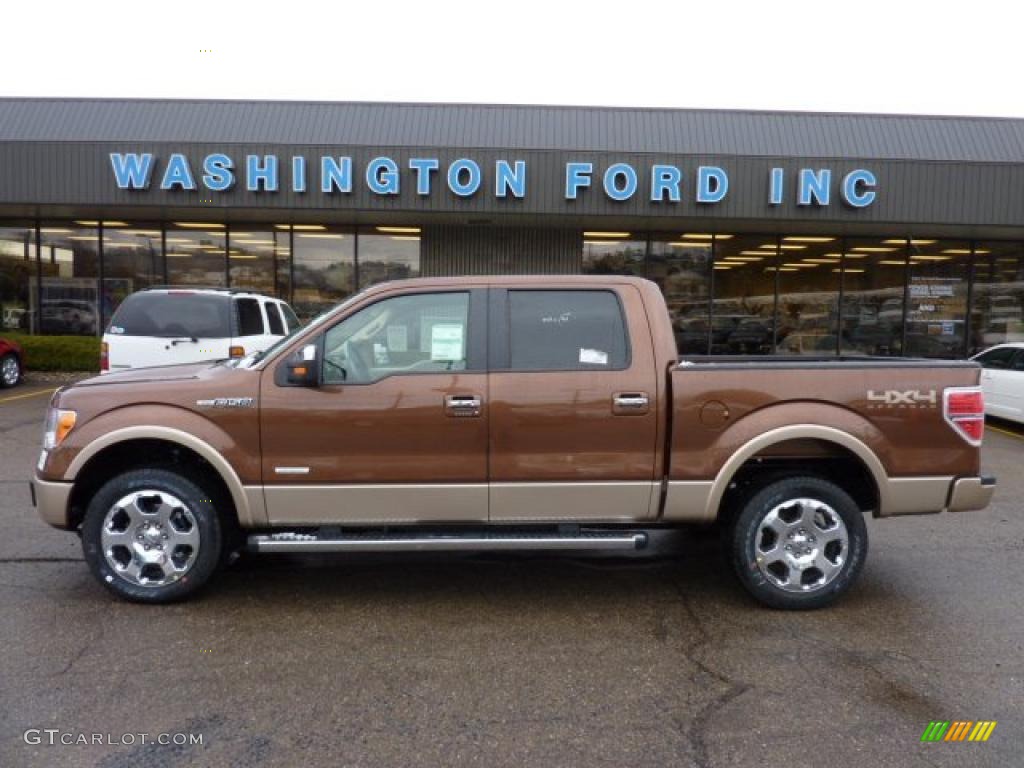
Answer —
435 542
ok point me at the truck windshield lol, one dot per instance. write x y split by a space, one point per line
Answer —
172 314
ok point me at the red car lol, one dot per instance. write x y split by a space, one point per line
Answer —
11 363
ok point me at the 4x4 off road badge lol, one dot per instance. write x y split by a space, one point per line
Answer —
227 402
903 398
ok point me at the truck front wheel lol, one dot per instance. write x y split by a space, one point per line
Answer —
799 543
152 536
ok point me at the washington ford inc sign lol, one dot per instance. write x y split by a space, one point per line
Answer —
465 178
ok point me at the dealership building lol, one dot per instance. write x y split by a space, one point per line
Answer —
768 232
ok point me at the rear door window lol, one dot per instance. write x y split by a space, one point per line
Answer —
250 318
997 358
575 330
173 314
274 318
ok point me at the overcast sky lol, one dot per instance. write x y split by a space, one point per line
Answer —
866 56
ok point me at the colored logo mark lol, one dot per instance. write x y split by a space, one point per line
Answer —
958 730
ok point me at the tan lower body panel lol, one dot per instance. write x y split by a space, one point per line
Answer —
687 501
375 504
573 502
970 493
914 495
52 501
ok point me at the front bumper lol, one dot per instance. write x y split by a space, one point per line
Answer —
51 499
969 493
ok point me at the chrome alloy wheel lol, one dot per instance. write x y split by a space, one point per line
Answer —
10 371
150 538
801 545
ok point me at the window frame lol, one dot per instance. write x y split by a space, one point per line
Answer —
499 347
476 339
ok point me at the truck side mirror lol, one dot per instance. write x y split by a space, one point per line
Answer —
302 367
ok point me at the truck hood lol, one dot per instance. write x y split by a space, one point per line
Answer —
158 373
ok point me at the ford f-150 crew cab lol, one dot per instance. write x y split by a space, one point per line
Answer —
505 413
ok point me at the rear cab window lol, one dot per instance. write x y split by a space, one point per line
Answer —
249 317
173 314
566 330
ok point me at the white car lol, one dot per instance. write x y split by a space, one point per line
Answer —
1002 379
166 326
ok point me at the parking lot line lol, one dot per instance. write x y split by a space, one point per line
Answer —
28 394
996 429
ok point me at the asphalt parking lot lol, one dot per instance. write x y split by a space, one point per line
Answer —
505 661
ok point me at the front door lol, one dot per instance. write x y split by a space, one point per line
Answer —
396 431
573 406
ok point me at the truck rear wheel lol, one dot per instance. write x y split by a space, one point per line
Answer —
152 536
799 543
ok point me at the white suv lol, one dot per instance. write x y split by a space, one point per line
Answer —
165 326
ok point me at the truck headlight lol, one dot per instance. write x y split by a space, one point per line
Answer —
58 423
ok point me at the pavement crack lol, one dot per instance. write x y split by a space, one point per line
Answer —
16 560
77 655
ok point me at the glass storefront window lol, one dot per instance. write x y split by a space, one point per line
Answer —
743 307
132 260
17 273
937 297
388 253
196 254
253 258
613 253
997 302
874 272
70 265
681 267
808 306
324 268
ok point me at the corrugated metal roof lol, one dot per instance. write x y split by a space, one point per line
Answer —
602 129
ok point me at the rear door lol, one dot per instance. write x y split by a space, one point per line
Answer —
997 380
168 327
573 396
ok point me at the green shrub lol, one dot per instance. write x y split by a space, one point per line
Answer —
57 353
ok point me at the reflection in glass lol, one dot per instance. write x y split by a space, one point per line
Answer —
613 253
324 269
808 306
743 308
132 260
196 256
17 272
681 268
997 311
937 297
874 272
253 258
388 253
70 264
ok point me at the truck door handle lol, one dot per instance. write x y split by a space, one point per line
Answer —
630 403
462 405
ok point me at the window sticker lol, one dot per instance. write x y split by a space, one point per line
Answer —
593 356
398 338
446 342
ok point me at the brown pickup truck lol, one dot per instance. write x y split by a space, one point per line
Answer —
505 413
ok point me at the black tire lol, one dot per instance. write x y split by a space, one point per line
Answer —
768 577
198 503
4 362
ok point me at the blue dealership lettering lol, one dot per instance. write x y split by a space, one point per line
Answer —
665 178
217 173
775 186
261 175
178 174
712 184
577 176
859 188
509 179
423 166
620 172
131 170
335 174
814 186
457 170
382 176
298 174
